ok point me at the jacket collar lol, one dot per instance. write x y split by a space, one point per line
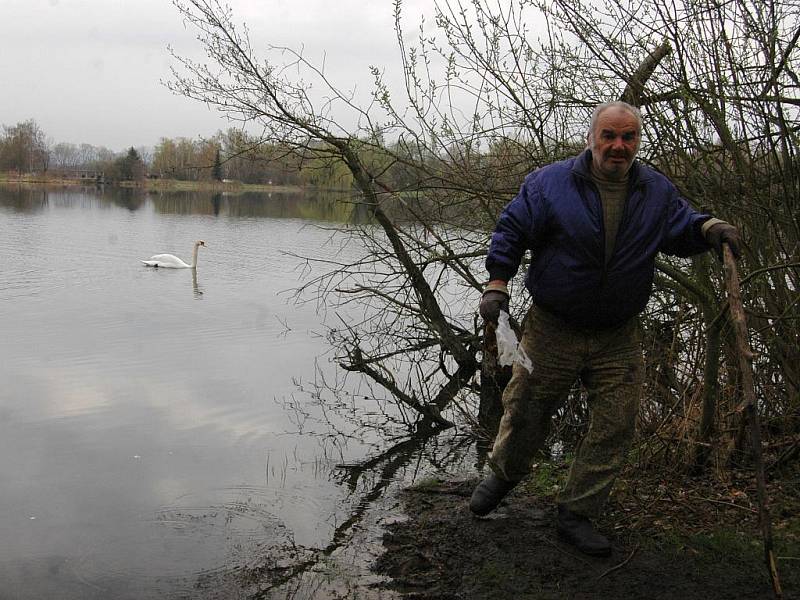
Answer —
638 174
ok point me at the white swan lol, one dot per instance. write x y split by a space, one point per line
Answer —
170 261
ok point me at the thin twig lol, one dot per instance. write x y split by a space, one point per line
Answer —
747 508
620 565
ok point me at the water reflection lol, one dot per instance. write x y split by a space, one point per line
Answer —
23 198
318 205
131 198
216 202
198 292
283 569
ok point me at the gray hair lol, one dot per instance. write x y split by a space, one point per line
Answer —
600 108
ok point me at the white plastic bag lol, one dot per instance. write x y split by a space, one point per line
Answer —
508 348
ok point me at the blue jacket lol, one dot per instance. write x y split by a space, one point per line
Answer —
557 215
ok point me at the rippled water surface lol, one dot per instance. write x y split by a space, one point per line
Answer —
143 434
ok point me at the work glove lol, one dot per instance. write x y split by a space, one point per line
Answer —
492 302
724 233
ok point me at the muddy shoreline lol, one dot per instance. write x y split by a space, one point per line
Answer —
443 552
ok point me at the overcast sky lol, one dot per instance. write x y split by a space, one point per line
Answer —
91 70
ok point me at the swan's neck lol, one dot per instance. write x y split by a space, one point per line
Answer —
194 256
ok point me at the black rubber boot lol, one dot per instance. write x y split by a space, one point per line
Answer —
489 493
578 531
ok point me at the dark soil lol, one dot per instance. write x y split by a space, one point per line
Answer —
443 552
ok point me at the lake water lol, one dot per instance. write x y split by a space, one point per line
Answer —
146 449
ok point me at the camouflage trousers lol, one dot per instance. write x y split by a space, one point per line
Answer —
609 365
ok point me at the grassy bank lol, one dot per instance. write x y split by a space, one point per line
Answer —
164 185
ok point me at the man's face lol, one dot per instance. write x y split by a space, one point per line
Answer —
614 142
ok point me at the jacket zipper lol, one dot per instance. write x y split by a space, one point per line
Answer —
599 204
631 186
620 228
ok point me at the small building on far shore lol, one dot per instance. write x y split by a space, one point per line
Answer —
90 176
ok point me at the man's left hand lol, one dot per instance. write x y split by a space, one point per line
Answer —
724 233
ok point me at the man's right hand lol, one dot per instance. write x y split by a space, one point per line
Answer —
492 302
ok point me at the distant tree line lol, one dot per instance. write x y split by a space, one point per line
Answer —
234 155
26 149
237 155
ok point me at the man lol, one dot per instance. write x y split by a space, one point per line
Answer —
593 224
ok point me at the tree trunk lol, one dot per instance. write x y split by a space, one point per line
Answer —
710 396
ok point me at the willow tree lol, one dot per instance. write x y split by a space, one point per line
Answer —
489 97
